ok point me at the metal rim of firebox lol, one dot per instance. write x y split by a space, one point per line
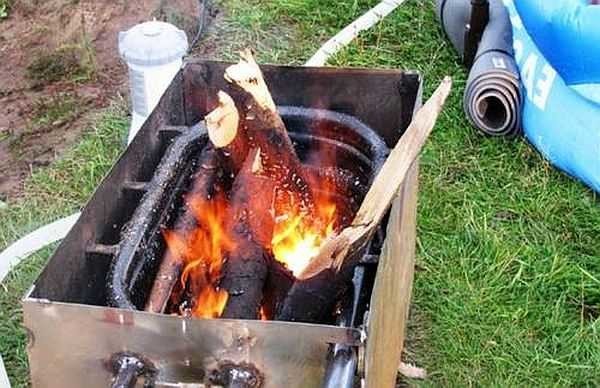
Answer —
330 334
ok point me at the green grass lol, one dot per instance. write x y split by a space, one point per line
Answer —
507 289
51 193
72 62
4 9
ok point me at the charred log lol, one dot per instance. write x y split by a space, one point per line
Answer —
251 227
279 281
245 273
206 182
313 300
265 130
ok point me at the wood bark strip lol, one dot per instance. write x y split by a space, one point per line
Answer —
251 222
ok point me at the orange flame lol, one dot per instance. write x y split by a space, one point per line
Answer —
296 240
202 250
296 237
262 314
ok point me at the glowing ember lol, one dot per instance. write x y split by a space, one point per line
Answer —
263 314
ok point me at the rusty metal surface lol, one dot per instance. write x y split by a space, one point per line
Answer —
71 345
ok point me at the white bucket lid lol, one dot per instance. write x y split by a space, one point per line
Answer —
152 43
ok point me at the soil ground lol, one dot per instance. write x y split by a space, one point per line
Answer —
59 64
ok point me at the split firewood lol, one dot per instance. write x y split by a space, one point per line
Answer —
384 187
205 183
226 133
341 252
265 130
250 225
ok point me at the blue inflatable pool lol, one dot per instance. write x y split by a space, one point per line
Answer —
557 49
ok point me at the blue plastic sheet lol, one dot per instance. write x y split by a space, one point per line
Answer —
567 32
560 117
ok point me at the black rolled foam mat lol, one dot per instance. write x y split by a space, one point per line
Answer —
493 98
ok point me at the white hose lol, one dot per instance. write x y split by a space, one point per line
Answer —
4 383
57 230
24 247
347 35
34 241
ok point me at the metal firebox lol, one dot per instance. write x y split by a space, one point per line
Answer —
76 339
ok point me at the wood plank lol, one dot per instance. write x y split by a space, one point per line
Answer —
391 296
335 253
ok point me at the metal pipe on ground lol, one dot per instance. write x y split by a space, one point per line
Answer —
493 98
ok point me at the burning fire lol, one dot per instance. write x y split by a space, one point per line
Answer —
296 240
279 206
202 250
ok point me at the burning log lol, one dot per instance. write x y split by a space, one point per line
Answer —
265 130
251 223
329 272
311 300
206 183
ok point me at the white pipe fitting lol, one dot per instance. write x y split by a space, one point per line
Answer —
154 54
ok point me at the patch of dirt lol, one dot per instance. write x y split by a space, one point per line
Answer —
64 50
